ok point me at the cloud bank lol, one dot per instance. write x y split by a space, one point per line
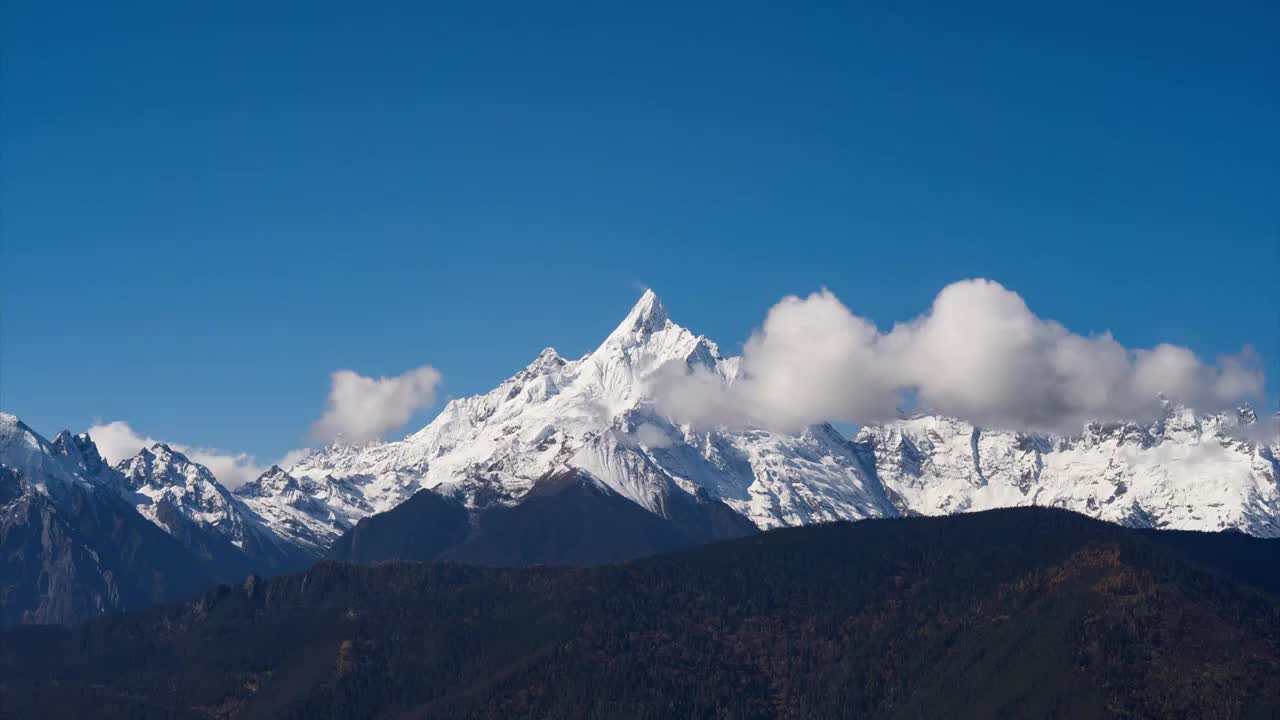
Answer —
118 441
979 354
361 408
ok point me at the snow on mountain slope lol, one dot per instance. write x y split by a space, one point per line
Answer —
308 512
594 414
184 498
1185 472
82 454
35 459
591 414
160 475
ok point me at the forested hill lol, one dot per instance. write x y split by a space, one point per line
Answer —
1008 613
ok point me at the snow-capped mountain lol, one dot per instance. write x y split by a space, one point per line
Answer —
173 492
82 454
590 414
160 476
594 414
1185 471
73 548
37 461
310 512
159 524
80 537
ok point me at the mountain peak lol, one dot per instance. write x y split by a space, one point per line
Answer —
162 466
26 452
11 425
1246 414
83 452
647 316
274 481
548 358
649 308
161 454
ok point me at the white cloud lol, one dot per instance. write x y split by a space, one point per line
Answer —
358 409
293 457
117 441
361 408
651 436
231 470
1263 431
979 354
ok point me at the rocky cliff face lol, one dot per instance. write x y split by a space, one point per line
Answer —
69 549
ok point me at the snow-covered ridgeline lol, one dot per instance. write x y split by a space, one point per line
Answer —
593 414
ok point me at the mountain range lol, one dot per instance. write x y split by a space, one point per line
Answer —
1184 471
571 462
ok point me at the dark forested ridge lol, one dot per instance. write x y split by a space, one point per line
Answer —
1008 613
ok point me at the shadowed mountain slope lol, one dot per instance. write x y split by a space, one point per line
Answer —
70 549
566 519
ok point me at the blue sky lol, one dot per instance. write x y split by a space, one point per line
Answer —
206 211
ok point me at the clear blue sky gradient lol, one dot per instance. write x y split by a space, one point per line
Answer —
206 210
